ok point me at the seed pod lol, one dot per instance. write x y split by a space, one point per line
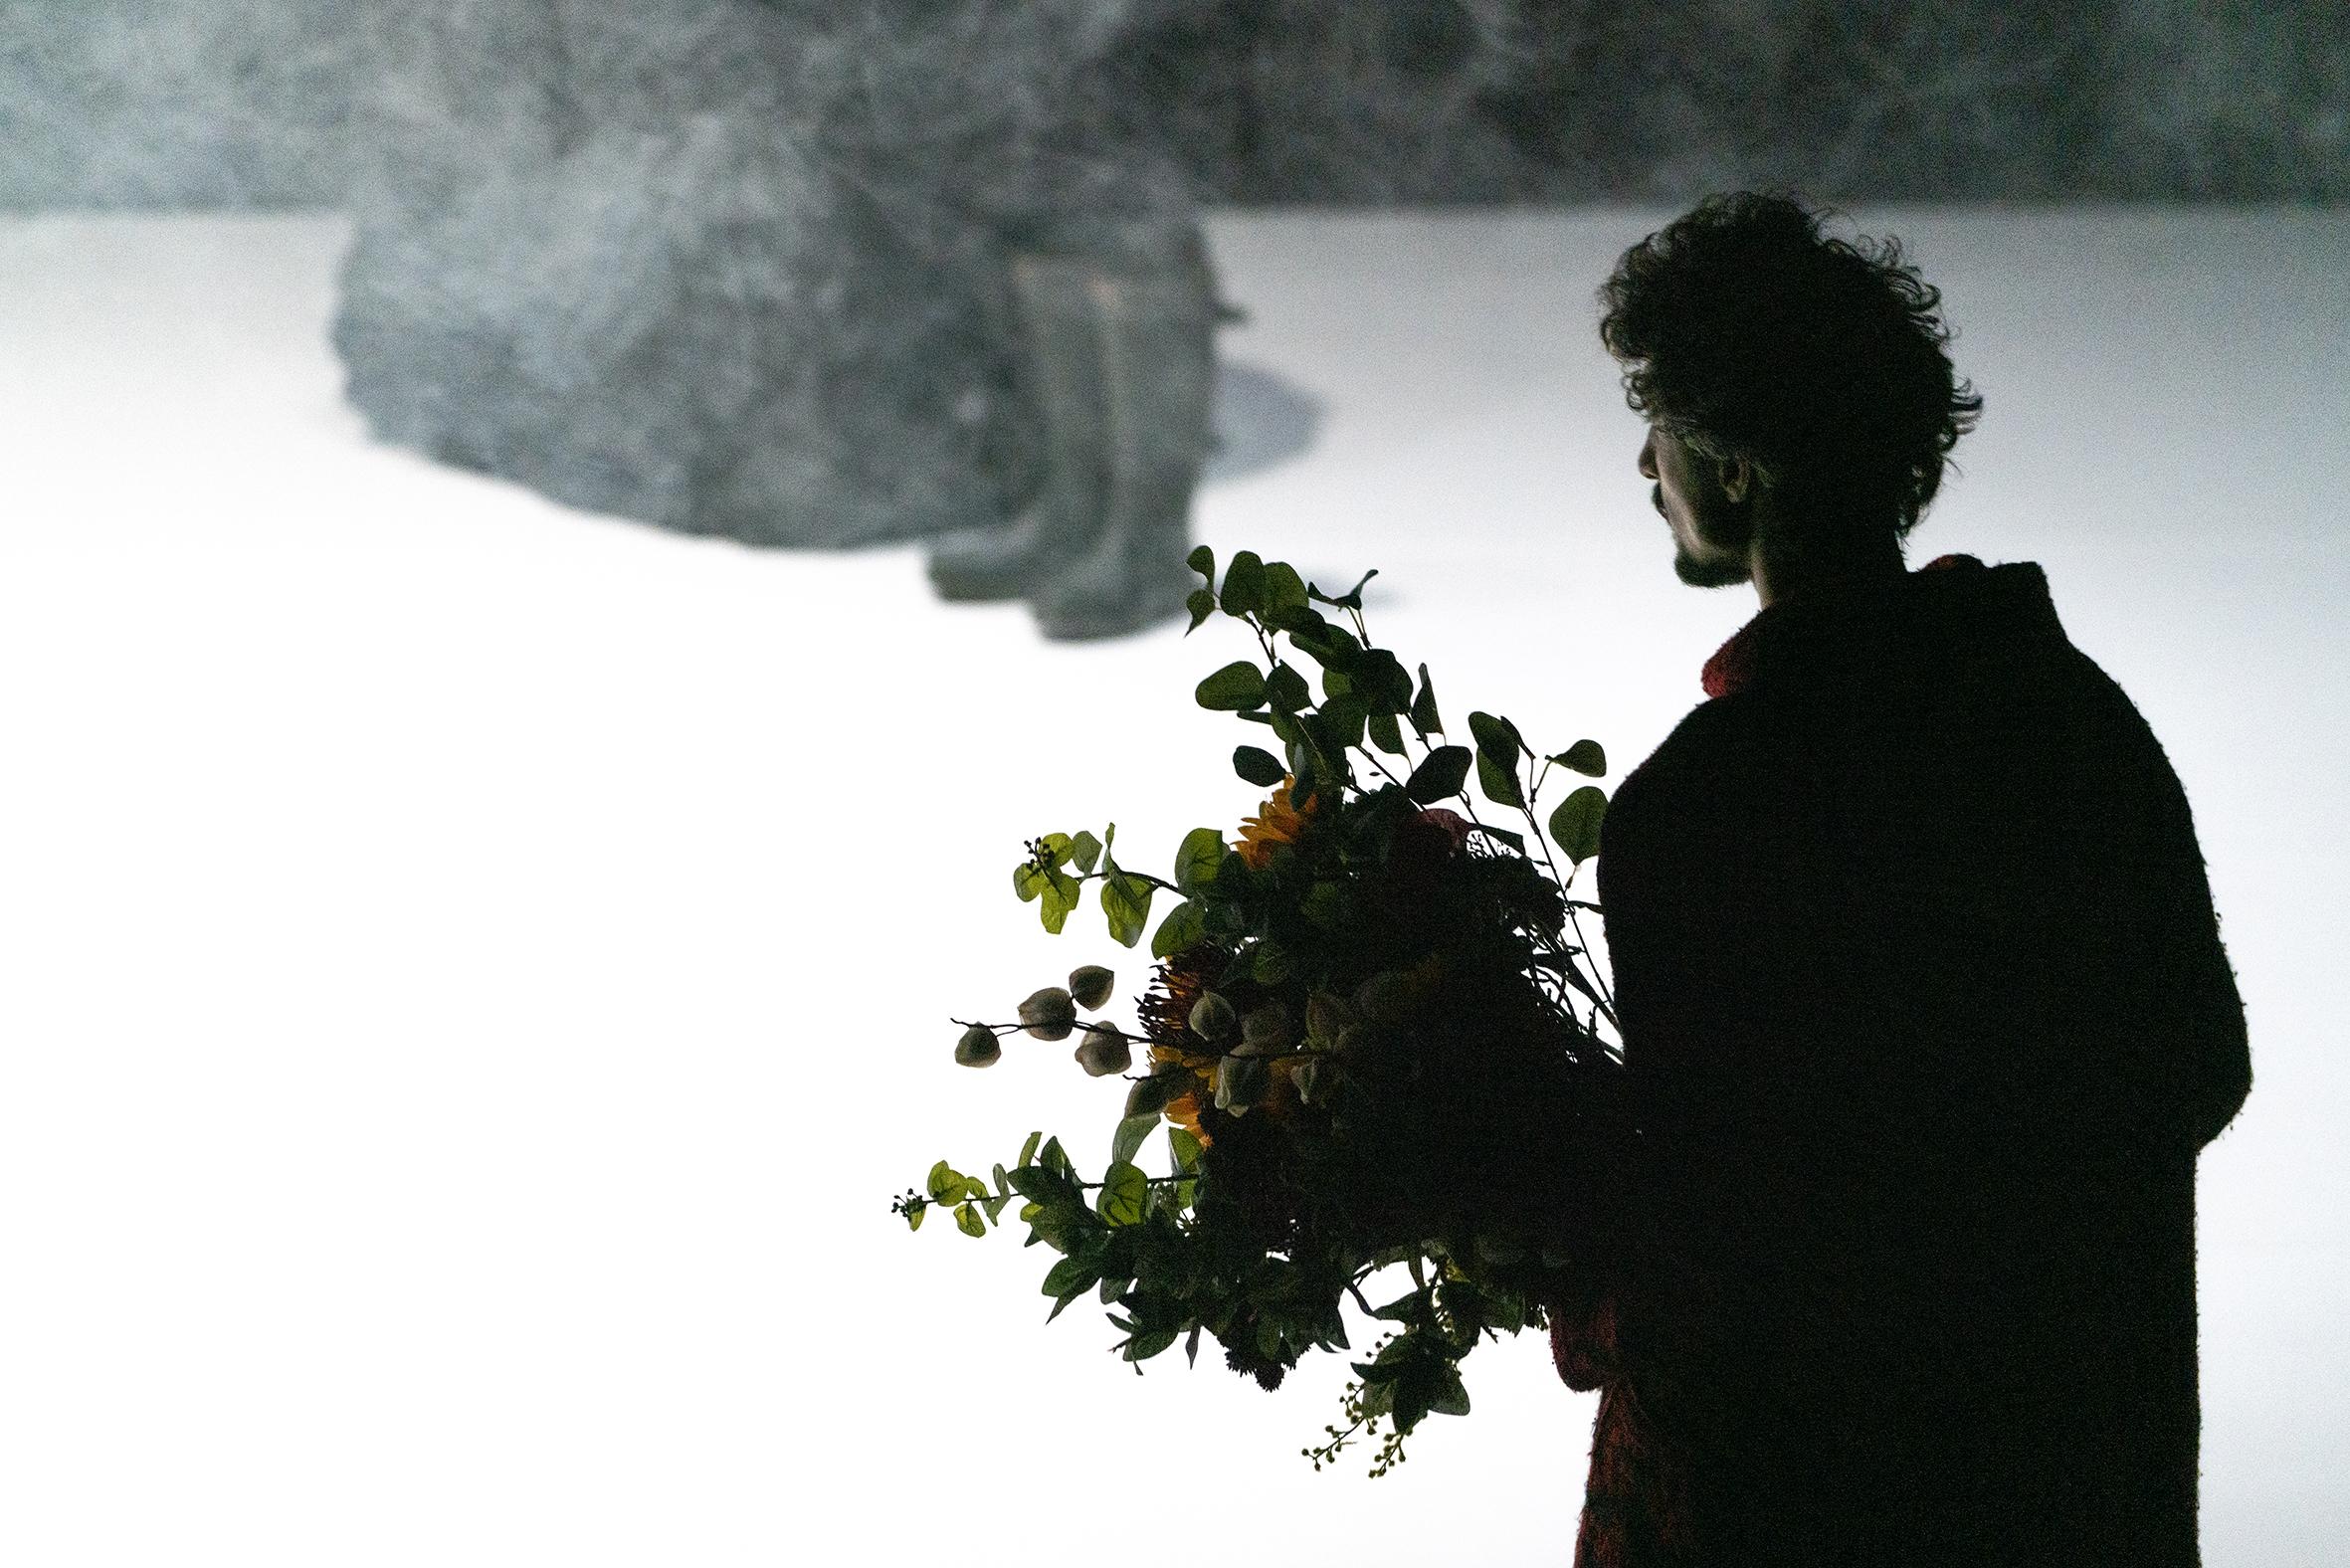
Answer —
1149 1095
1212 1016
978 1048
1090 985
1384 998
1049 1013
1306 1077
1265 1031
1326 1018
1239 1084
1100 1055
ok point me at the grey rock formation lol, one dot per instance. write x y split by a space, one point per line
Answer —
174 102
229 103
731 266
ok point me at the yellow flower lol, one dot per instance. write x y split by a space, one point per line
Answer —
1278 821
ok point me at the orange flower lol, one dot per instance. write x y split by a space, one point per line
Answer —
1279 821
1165 1011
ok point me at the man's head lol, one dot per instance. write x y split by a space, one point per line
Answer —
1791 380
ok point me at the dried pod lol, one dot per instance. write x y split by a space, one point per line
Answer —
1090 985
1212 1016
1102 1054
1239 1084
1265 1031
1326 1018
978 1048
1050 1014
1149 1095
1384 998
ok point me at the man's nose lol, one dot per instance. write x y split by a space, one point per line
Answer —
1648 459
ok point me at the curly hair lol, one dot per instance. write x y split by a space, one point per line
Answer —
1746 332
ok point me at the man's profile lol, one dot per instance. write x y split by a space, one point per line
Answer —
1920 984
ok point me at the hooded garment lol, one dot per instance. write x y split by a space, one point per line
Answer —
1923 994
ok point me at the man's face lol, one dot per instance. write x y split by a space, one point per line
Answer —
1711 534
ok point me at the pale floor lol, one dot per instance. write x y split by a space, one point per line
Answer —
475 973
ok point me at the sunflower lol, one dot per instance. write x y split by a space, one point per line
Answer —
1278 821
1165 1014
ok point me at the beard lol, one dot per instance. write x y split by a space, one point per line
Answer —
1726 569
1721 571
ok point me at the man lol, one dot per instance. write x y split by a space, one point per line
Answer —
1920 980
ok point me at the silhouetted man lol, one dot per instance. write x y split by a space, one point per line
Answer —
1919 979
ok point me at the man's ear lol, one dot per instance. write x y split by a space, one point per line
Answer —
1737 478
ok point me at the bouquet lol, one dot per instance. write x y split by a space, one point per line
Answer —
1372 1035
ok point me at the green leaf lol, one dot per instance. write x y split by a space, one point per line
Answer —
995 1207
1423 715
1084 850
945 1183
1201 852
1326 904
1143 1346
1184 926
1244 584
1130 1135
1575 826
1500 787
1185 1148
1257 765
968 1221
1284 589
1286 689
1440 775
1055 1159
1125 901
1449 1398
1026 881
1353 599
1070 1276
1028 1150
1201 602
1332 647
1202 560
1497 737
1381 682
1583 756
1340 724
1060 897
1236 687
1386 733
1126 1191
1003 1181
1058 847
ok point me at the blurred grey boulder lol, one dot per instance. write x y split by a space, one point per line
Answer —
653 260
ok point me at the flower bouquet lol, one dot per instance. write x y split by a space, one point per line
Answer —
1372 1035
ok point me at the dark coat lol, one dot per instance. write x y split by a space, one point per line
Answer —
1924 995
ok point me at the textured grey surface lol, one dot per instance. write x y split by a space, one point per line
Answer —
174 102
721 265
211 103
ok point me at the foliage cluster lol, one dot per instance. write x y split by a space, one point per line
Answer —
1373 1035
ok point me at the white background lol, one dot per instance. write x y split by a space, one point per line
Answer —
473 974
